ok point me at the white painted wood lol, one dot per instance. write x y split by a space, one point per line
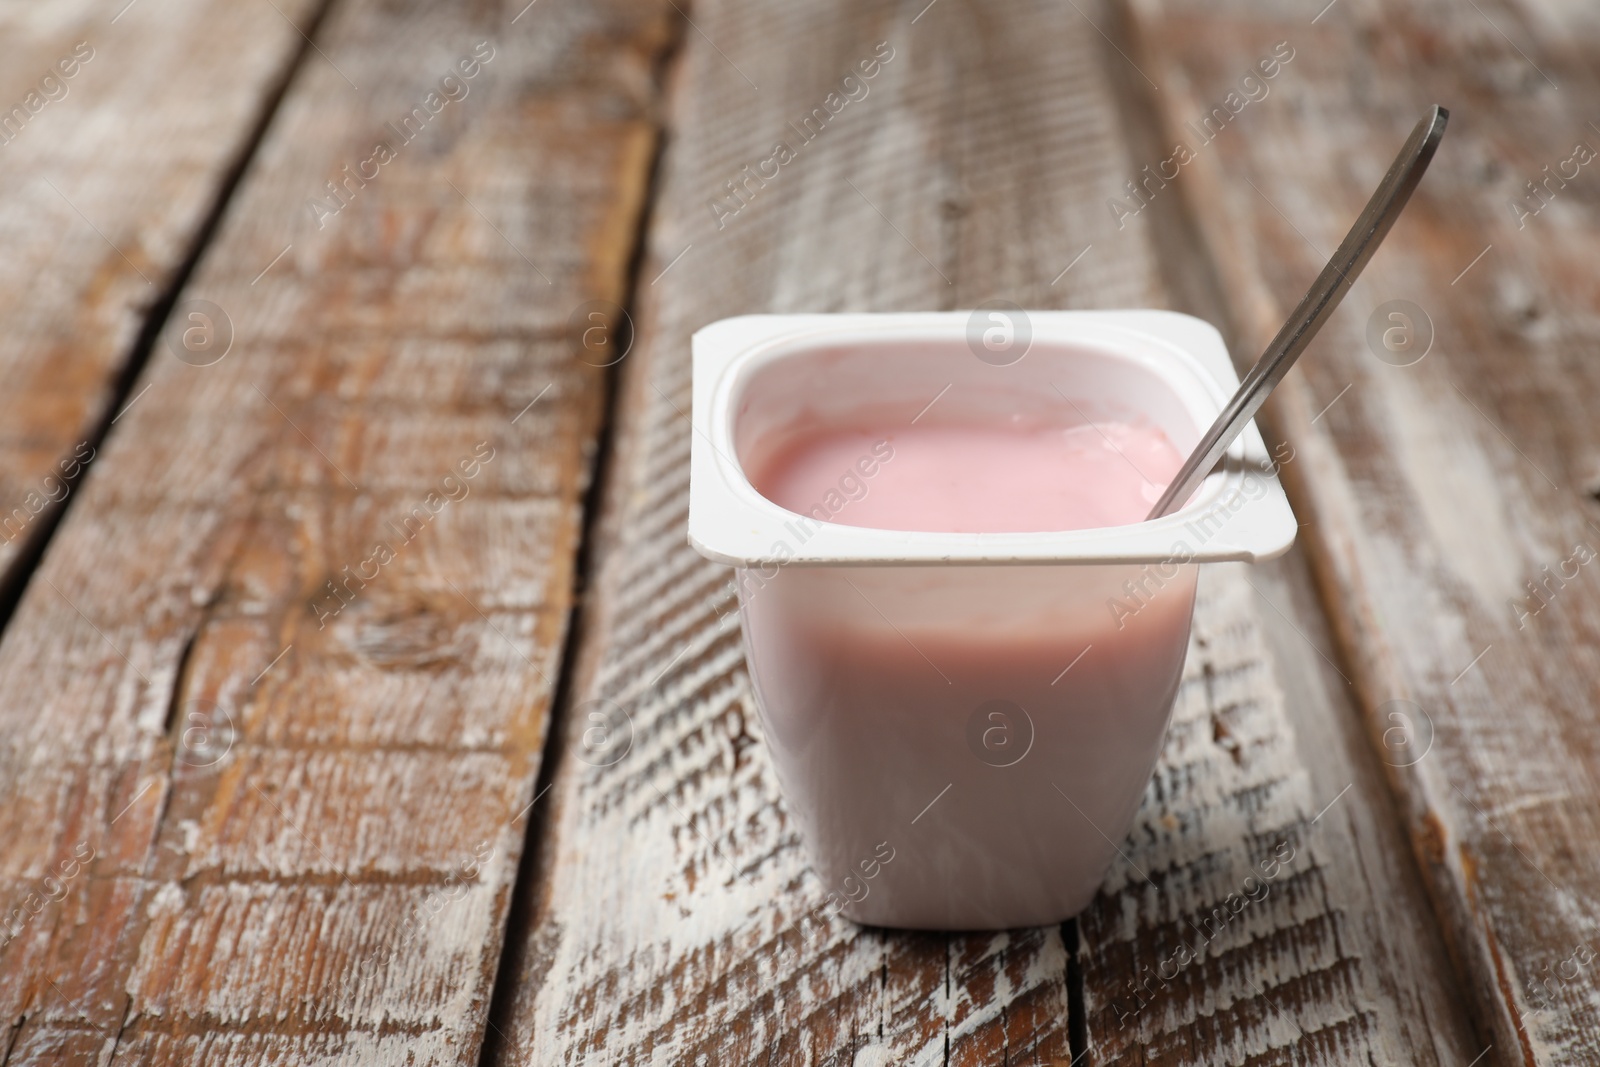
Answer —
306 806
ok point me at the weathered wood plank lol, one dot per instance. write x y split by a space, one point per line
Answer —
1256 854
1453 496
305 802
669 919
110 172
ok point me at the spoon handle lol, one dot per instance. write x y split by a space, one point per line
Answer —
1313 311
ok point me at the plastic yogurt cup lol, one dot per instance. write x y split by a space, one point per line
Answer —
963 724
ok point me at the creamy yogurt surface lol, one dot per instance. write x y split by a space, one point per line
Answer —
961 478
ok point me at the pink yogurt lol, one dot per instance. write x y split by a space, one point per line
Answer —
966 478
951 692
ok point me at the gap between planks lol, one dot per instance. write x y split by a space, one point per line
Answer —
518 932
14 579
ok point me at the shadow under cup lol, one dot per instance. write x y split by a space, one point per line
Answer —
962 741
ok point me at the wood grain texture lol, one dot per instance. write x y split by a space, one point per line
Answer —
1453 497
299 810
109 173
666 922
1318 958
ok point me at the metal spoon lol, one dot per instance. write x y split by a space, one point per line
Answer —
1314 309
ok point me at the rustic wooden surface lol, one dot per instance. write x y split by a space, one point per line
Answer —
257 831
298 834
697 954
1442 489
109 174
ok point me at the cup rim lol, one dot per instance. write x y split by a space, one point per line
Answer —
732 523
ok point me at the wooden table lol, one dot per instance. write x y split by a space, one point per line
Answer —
364 703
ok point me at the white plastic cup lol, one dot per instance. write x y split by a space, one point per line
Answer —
963 723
